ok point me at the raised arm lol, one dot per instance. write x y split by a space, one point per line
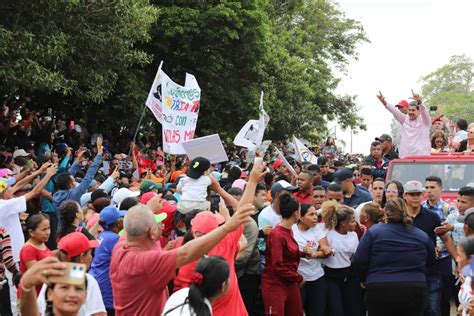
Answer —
20 184
399 116
423 110
50 172
198 247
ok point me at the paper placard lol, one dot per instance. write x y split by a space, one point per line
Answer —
209 147
287 164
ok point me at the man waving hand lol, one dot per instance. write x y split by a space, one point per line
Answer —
415 140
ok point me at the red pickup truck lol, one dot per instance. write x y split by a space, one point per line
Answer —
455 170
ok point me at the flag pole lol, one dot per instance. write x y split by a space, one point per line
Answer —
143 113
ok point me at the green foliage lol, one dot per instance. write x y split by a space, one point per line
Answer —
98 58
288 49
74 55
451 87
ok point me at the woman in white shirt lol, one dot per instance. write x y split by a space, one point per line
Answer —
343 293
312 239
209 281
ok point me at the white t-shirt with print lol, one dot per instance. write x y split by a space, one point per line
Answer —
177 299
194 189
93 305
10 220
344 246
310 269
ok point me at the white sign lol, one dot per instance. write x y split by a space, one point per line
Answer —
209 147
154 100
287 164
304 154
251 135
180 110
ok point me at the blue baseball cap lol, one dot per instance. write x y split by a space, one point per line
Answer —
110 214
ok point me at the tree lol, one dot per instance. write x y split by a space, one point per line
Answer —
79 57
311 39
288 49
451 87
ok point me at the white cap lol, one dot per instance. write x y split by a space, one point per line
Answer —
123 193
20 153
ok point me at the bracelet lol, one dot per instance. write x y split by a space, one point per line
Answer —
26 290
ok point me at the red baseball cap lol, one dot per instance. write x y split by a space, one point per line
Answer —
75 244
206 221
277 163
147 197
402 104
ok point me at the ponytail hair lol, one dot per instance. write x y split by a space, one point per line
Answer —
305 208
396 212
206 282
67 213
288 205
34 220
334 214
374 212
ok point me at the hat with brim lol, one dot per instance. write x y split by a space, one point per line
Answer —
342 175
160 217
20 153
413 187
282 185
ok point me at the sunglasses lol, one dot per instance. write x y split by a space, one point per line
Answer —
391 191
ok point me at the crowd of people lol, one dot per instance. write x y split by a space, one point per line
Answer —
166 235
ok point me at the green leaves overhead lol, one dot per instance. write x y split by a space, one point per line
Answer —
98 58
451 87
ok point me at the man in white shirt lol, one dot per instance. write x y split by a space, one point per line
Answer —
11 207
270 216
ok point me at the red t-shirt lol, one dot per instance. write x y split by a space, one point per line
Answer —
30 252
231 303
139 279
304 197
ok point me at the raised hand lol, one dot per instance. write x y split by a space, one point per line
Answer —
416 97
381 97
100 148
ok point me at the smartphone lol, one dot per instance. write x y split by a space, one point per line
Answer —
75 274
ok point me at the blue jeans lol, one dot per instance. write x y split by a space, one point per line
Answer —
434 285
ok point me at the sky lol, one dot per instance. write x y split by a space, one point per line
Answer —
408 39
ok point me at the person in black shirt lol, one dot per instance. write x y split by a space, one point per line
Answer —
388 150
427 221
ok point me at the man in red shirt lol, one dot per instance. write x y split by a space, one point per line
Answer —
140 271
305 183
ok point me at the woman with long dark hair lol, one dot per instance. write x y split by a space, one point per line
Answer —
208 282
393 189
71 219
281 280
391 258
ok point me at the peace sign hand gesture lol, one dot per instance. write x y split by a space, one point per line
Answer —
416 97
381 97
